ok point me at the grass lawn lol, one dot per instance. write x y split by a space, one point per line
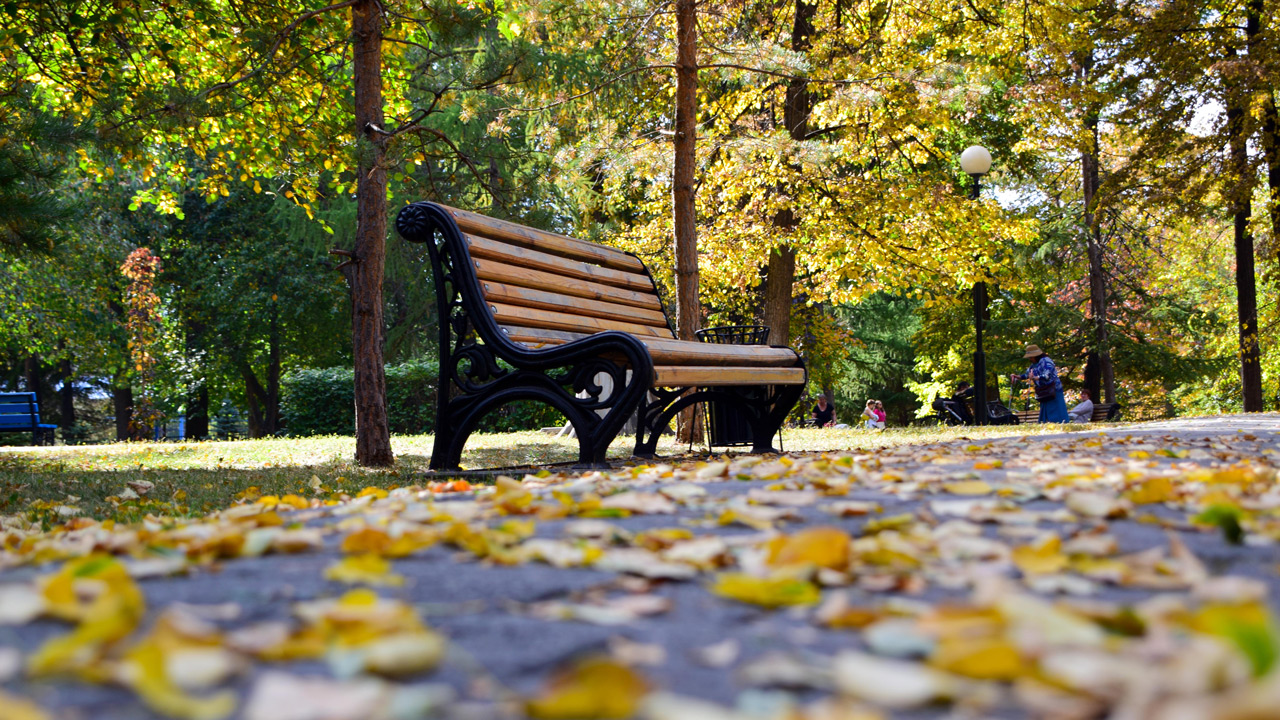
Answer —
52 485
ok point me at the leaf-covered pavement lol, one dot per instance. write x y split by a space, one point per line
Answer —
1128 574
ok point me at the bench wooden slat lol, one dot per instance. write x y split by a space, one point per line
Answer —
15 409
470 222
543 300
18 421
522 257
672 352
692 375
550 320
539 280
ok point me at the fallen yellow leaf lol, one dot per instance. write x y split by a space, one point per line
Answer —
366 569
116 607
145 672
984 659
768 592
592 688
822 546
1154 490
968 487
1041 558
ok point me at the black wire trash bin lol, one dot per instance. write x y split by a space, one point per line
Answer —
727 427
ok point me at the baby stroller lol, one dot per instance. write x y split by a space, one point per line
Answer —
952 412
999 414
955 412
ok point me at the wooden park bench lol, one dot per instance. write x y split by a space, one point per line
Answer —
532 315
19 412
1102 412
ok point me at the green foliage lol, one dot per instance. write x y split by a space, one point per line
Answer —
1251 628
881 361
1226 518
411 396
521 415
320 401
34 149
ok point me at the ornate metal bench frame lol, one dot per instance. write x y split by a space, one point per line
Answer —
474 381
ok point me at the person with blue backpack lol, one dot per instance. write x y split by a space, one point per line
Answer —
1044 380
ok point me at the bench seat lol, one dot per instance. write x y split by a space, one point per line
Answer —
665 351
584 329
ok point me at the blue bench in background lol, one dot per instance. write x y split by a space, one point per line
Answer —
19 412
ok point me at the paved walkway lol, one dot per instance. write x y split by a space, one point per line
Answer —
1055 576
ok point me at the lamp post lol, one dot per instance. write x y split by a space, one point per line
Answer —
976 161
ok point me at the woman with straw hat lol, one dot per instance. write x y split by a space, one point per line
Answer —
1044 380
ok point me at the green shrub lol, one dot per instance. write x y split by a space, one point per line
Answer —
318 401
521 415
411 396
321 401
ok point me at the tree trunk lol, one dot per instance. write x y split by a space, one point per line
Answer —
364 275
122 404
66 396
1097 274
779 280
271 416
253 397
32 376
197 393
782 262
1242 209
684 209
198 412
264 402
1090 172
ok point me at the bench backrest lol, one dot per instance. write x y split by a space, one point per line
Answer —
1100 411
546 288
19 410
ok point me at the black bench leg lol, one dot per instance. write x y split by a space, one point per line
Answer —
781 399
446 452
757 404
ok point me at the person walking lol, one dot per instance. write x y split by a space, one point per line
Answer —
1043 375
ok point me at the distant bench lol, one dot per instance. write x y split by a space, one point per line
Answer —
1102 412
19 412
532 315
